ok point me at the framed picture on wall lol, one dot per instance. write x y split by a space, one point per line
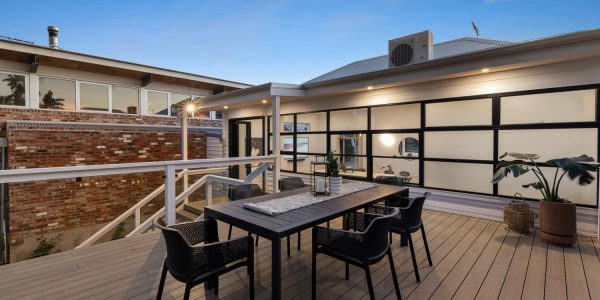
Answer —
288 146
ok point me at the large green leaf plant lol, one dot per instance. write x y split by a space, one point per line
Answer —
579 168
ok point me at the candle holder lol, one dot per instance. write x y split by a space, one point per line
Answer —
318 180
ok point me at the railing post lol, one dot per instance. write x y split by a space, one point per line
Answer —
170 194
208 192
276 141
138 217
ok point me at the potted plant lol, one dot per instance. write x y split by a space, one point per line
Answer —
333 171
558 222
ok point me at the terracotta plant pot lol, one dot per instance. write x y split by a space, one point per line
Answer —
558 222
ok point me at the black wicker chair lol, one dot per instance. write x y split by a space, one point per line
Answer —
193 263
409 221
366 244
291 183
245 191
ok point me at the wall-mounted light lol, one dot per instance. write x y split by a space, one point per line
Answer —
370 87
388 139
264 101
225 107
190 108
485 70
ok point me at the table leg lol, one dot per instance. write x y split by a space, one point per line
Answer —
276 269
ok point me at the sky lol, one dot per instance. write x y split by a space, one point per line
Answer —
277 41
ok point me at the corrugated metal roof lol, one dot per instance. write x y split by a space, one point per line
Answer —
440 50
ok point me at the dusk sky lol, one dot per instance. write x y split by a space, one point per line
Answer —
281 41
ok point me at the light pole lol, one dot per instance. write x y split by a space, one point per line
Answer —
188 110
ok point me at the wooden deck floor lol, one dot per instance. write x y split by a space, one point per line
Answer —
473 258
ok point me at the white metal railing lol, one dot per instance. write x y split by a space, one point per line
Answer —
136 208
169 167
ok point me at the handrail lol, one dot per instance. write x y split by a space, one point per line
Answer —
205 179
135 209
34 174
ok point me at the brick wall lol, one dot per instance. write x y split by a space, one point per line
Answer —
50 206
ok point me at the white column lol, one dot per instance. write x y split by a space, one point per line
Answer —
170 194
276 141
184 150
34 91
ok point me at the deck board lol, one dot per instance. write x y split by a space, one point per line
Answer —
472 258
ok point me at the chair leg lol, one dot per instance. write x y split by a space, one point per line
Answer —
161 284
314 276
229 234
256 242
288 246
426 245
188 288
370 283
390 237
394 277
299 232
347 271
251 271
216 281
414 258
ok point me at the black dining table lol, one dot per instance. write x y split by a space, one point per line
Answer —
277 227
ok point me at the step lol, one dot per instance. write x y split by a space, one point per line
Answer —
183 215
193 207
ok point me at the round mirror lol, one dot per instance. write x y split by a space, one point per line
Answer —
409 147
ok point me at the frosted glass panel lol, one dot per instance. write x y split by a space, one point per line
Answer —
460 144
569 189
396 117
303 164
352 119
287 123
312 122
549 143
459 176
459 113
311 143
380 165
572 106
396 144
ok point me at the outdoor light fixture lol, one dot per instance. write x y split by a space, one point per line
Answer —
264 101
485 70
225 107
370 87
190 108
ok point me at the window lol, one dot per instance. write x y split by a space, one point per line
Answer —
177 100
351 149
478 145
57 94
158 103
396 116
218 115
459 113
311 122
286 123
459 176
549 143
12 89
571 106
350 119
94 97
311 143
396 154
125 100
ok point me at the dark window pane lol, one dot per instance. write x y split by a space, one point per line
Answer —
57 94
12 89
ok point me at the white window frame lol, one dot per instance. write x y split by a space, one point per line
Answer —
27 102
78 97
139 103
59 78
147 113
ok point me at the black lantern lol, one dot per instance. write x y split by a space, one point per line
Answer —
318 180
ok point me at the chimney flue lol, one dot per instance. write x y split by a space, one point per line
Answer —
53 37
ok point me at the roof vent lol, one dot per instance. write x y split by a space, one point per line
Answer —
53 37
410 49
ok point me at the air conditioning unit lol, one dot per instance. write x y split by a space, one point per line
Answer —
410 49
